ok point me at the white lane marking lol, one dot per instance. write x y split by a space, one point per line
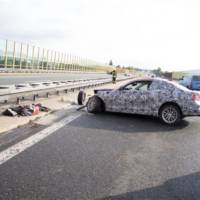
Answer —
24 144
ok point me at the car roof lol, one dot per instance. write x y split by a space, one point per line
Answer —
148 79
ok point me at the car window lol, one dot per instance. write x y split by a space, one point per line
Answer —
196 78
138 86
161 85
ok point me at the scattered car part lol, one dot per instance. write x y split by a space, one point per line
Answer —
9 112
81 97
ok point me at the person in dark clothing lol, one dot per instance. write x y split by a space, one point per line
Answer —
114 76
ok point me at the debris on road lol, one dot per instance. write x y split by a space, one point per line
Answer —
27 110
81 107
81 97
9 112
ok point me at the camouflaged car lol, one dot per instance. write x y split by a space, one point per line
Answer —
158 97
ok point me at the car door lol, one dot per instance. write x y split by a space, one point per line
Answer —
143 100
121 98
132 98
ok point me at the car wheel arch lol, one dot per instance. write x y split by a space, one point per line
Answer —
170 103
102 102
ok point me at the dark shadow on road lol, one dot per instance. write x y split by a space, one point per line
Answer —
126 123
181 188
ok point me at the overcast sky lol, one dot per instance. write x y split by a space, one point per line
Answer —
140 33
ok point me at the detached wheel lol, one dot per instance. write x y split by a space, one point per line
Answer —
81 97
94 105
170 114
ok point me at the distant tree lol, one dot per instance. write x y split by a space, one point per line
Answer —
111 62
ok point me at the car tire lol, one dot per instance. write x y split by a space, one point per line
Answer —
81 97
170 114
94 105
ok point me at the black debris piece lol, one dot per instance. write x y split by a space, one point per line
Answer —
9 112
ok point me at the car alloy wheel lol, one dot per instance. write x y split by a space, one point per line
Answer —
170 114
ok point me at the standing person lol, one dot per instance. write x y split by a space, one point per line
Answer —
114 76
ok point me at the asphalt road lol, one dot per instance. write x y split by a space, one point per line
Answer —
108 157
9 79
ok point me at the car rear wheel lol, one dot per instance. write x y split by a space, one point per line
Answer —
94 105
170 114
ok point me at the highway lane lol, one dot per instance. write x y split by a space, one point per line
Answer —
108 157
8 79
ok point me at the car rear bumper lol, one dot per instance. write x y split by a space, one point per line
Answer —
194 110
193 113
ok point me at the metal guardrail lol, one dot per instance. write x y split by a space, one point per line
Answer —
17 96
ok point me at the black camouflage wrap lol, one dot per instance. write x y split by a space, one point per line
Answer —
149 102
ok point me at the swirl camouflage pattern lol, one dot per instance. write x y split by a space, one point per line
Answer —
147 96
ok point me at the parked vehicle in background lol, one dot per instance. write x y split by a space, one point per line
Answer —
192 82
148 96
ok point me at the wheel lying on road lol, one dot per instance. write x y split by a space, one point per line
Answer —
170 114
81 97
95 105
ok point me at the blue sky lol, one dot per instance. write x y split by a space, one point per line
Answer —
141 33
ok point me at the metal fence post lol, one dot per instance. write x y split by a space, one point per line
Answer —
20 62
38 59
6 56
13 66
64 63
47 60
60 62
42 59
50 66
26 67
54 63
32 61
